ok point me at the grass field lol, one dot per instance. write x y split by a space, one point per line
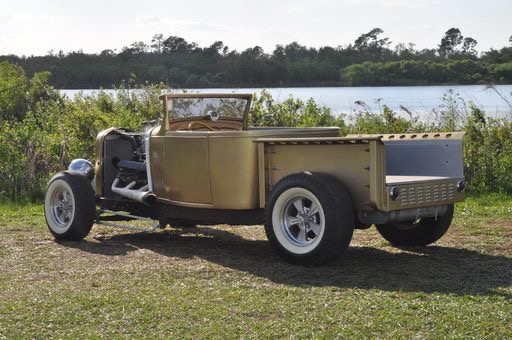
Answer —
226 282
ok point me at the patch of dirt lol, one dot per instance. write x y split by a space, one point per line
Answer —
460 263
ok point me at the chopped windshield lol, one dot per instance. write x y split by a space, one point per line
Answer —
187 107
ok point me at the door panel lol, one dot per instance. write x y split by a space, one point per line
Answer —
186 167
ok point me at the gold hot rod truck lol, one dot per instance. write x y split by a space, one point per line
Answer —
310 188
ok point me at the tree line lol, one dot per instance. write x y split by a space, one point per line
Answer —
41 130
369 60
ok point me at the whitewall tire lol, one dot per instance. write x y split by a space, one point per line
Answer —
69 206
309 218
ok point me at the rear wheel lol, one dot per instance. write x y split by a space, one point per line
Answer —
419 233
309 218
69 206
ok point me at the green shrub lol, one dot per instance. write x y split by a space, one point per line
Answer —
292 112
42 131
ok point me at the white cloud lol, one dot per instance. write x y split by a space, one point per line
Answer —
297 9
55 19
179 23
148 19
409 4
31 18
201 25
5 18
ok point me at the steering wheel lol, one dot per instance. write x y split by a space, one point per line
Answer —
203 124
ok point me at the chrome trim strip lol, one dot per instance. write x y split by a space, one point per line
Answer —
147 136
186 204
154 223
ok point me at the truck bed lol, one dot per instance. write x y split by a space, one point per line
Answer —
426 168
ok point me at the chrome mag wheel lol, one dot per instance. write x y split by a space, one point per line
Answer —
62 206
301 218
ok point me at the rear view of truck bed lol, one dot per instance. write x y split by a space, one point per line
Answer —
381 172
427 169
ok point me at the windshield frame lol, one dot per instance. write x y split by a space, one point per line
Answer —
167 107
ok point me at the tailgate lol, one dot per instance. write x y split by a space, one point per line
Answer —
427 169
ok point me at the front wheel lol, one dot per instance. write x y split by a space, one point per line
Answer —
419 233
69 206
309 218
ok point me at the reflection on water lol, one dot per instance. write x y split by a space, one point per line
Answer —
419 100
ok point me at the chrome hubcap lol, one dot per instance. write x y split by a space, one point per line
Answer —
302 220
62 206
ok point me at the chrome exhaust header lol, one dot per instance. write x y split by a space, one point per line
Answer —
140 195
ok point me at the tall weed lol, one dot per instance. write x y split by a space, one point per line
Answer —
52 129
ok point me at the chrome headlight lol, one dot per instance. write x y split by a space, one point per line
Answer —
83 167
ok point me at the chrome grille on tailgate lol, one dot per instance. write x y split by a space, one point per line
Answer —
426 193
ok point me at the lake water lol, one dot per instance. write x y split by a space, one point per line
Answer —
419 100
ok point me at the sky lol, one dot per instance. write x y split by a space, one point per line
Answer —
35 27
